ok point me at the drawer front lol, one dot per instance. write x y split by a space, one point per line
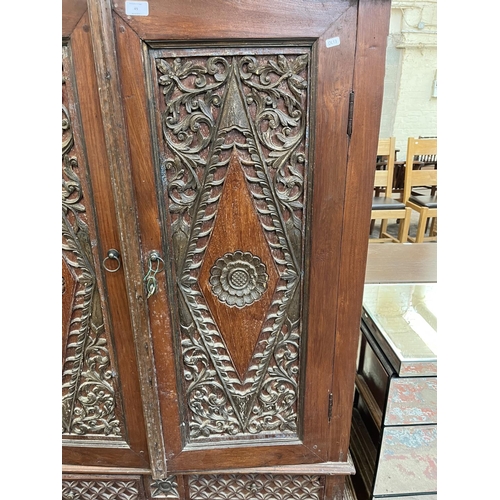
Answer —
407 461
412 401
255 486
98 487
373 372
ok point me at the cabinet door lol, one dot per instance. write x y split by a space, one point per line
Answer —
102 420
246 199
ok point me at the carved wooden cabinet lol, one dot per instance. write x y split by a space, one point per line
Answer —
216 205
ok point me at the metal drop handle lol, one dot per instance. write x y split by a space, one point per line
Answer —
156 265
112 255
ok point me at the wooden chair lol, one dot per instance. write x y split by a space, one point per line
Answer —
386 207
425 205
428 161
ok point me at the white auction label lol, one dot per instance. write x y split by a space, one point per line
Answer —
333 42
137 8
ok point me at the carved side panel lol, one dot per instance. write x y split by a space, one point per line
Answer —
253 486
91 406
233 160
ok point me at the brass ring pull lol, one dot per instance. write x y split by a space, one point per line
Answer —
112 255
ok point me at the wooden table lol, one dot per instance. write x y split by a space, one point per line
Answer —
402 263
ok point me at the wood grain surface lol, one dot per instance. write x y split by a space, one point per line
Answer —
373 27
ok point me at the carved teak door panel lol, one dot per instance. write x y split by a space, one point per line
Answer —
238 164
233 158
102 417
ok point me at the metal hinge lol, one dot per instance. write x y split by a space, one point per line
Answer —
330 406
351 111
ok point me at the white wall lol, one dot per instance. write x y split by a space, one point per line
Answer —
409 109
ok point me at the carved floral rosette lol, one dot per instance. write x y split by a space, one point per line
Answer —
255 107
165 488
238 278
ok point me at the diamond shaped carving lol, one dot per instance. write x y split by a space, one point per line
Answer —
237 229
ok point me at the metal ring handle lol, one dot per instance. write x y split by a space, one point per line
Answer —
155 257
112 255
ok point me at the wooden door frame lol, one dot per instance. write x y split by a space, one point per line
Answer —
355 205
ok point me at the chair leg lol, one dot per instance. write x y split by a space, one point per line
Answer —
419 238
427 225
372 225
383 226
433 230
404 226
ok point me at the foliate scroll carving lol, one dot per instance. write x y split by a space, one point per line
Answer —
193 94
253 486
225 119
109 489
89 395
276 94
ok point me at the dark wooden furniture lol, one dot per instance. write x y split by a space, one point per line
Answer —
394 426
216 208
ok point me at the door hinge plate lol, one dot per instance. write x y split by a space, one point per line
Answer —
330 406
351 111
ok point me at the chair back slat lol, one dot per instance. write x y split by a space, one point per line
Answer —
424 177
385 146
423 146
419 148
383 178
